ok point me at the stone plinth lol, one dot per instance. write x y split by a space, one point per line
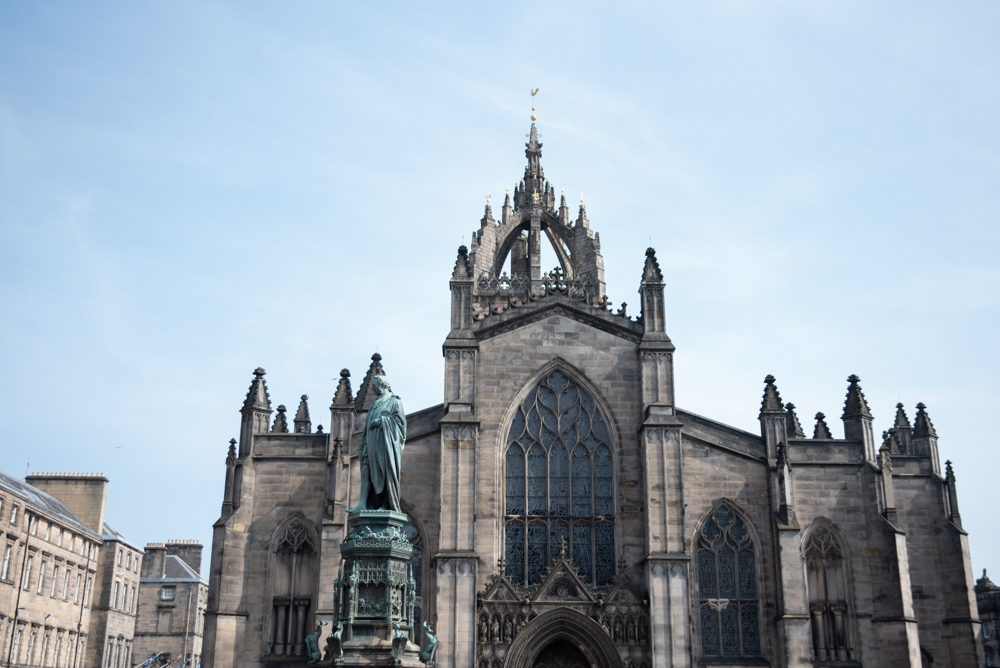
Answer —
375 593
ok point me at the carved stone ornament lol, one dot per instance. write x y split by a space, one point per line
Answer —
505 610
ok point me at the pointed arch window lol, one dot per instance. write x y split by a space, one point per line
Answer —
828 607
729 608
293 602
559 484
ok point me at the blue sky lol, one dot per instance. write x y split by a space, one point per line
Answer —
189 190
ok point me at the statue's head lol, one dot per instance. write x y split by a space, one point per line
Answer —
381 384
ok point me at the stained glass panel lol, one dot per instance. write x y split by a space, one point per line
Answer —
514 538
709 631
558 482
751 630
515 481
727 583
748 576
536 481
581 483
727 573
604 555
582 550
537 548
730 631
567 471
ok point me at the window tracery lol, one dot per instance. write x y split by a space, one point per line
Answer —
727 584
828 606
559 484
295 556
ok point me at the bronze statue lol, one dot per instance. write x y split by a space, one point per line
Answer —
381 449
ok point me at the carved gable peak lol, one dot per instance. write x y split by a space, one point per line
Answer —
562 578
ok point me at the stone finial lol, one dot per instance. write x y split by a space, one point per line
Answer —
821 431
280 422
855 404
319 429
901 422
984 584
303 425
651 270
771 403
342 398
581 217
923 427
232 448
463 270
792 426
257 396
366 394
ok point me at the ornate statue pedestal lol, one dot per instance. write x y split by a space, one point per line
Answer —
374 595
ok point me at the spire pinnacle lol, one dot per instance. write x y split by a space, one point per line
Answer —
366 393
232 449
822 431
771 403
534 92
923 426
902 422
280 423
651 270
257 396
792 426
303 425
342 398
855 404
462 268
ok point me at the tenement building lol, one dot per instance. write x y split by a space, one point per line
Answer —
567 511
172 596
67 576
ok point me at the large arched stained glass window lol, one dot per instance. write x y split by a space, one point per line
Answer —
559 484
727 583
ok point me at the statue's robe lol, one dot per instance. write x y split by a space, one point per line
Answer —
381 452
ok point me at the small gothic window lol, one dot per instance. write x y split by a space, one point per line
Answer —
827 596
293 605
559 484
727 582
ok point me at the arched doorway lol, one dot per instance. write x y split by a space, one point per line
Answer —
563 638
561 654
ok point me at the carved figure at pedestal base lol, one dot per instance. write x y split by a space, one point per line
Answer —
312 645
430 645
334 646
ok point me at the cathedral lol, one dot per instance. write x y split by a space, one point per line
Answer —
565 511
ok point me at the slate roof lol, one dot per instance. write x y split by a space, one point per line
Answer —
112 534
177 571
43 504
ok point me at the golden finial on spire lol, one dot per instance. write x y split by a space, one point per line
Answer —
533 94
487 199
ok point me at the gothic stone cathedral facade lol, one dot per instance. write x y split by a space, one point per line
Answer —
565 511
